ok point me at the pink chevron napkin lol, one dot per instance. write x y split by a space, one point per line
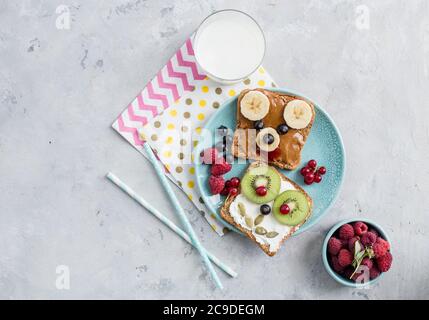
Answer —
191 98
178 76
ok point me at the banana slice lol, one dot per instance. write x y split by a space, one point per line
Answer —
268 139
254 105
297 114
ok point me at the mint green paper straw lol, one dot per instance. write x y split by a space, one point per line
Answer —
166 221
181 213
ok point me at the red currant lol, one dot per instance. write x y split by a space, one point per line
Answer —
321 170
228 184
312 163
261 191
233 191
284 209
309 178
317 178
305 171
234 182
225 191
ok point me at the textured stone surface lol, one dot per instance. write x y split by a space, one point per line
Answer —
58 209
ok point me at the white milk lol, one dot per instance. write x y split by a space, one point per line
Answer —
229 45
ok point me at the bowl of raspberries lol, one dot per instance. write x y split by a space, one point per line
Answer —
356 253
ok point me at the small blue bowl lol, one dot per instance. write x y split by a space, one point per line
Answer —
331 272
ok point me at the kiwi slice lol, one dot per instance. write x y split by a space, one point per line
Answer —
262 175
298 205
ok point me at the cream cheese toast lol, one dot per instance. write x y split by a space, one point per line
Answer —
268 218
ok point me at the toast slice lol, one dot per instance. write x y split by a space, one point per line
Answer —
291 144
269 246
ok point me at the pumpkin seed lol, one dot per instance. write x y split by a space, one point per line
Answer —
249 222
261 230
272 234
259 219
242 209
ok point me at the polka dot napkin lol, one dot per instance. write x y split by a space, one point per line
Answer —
171 112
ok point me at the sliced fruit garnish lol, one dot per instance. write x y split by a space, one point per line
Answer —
261 181
268 139
298 207
254 105
297 114
265 174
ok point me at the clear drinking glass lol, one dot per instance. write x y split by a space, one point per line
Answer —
229 46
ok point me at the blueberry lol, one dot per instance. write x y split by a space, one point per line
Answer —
265 209
259 125
282 129
222 131
268 138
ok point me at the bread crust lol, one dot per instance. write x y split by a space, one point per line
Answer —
252 154
265 247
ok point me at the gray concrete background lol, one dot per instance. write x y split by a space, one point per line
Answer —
57 208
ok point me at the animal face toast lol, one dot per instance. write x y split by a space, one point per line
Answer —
272 127
271 218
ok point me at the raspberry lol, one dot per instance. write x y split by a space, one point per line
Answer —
346 232
334 246
216 183
367 262
383 242
380 247
348 272
368 239
385 262
335 265
345 258
374 231
351 243
209 155
344 244
220 167
374 272
360 228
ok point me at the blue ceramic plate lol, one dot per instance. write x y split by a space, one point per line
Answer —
324 144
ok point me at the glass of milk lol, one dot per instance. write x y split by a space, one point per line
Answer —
229 46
